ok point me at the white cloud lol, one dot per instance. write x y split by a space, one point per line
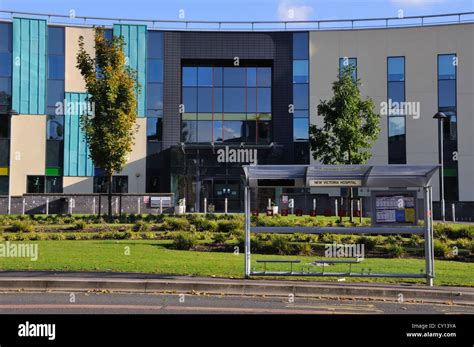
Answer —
288 11
417 3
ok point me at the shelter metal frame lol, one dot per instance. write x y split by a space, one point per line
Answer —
367 176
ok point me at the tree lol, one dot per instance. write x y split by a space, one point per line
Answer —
350 126
112 89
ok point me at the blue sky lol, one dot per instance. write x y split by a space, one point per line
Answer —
241 9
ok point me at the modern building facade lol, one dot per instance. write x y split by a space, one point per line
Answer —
213 100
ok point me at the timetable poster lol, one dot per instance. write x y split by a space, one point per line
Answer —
395 209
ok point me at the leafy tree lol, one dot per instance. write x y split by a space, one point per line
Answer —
112 89
350 126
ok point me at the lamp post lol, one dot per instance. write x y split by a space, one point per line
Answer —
440 116
10 113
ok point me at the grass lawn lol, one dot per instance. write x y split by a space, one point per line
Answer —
155 257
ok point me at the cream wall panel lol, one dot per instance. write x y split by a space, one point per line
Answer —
27 150
74 82
78 185
136 165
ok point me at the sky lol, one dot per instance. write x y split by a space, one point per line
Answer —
243 10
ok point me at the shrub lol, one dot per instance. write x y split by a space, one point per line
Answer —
415 240
228 226
368 242
305 249
184 241
219 238
21 226
80 225
176 224
441 249
57 236
141 226
394 250
280 244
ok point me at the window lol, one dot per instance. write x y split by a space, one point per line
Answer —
221 102
35 184
155 96
4 126
447 67
154 129
396 116
54 184
447 93
119 184
54 153
55 130
300 71
55 40
346 62
155 44
300 45
5 66
300 129
155 70
300 96
4 152
3 185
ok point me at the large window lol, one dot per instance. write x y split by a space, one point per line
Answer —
55 94
447 103
301 97
396 117
226 104
5 67
119 184
44 184
346 62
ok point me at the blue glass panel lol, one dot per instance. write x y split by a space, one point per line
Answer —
345 62
396 91
252 100
56 40
264 100
5 91
155 96
55 92
218 76
251 77
217 100
396 126
446 66
55 128
189 76
56 67
205 76
234 131
5 37
155 44
300 129
190 99
154 129
204 100
300 46
234 99
300 96
447 93
300 71
204 131
396 68
189 131
155 70
5 64
264 132
234 77
264 77
217 131
301 114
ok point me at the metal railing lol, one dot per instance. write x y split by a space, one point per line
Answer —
347 24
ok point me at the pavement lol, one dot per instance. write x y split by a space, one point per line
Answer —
142 303
105 282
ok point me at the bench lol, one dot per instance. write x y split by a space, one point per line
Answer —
337 261
265 261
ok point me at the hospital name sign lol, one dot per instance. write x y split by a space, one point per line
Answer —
334 183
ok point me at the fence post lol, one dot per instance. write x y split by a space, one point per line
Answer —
269 203
161 205
453 208
138 205
93 206
225 206
116 205
314 204
205 205
336 208
23 206
47 206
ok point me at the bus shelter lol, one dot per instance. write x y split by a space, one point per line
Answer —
393 192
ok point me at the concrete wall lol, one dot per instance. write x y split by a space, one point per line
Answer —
77 185
27 151
74 82
420 46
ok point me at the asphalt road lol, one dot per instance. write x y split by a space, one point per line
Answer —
120 303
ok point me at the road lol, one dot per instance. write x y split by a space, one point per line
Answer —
121 303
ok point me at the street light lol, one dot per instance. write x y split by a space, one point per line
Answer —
10 114
440 116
